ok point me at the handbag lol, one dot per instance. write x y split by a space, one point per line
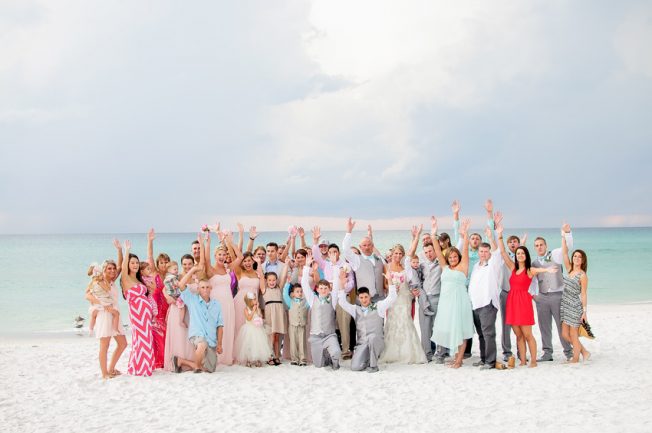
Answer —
585 330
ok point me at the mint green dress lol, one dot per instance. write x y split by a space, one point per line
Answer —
454 319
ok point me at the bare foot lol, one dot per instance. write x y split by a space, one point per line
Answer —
586 355
533 364
522 363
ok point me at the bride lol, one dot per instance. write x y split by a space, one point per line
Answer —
402 344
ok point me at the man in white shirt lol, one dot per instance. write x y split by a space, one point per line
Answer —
484 291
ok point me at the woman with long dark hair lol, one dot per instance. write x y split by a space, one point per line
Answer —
574 299
520 313
141 358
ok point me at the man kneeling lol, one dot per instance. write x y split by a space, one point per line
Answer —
369 322
205 327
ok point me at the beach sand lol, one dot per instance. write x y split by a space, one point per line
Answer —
54 385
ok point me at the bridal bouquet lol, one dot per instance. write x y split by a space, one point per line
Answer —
397 278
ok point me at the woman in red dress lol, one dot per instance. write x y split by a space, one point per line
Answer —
151 274
520 313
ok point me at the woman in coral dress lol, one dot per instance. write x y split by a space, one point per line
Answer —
519 310
220 279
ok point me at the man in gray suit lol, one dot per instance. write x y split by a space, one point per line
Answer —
551 287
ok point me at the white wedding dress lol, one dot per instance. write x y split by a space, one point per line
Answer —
402 344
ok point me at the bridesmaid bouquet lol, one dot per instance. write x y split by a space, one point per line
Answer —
179 303
293 230
205 228
257 321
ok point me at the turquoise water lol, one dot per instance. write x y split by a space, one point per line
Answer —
44 276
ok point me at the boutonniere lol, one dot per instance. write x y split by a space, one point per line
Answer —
373 306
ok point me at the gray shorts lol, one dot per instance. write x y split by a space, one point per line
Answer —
210 356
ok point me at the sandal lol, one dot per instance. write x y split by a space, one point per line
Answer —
271 362
277 361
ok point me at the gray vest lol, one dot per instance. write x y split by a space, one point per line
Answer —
431 272
371 276
368 326
549 282
322 318
298 313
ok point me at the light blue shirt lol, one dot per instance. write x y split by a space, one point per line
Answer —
275 267
205 317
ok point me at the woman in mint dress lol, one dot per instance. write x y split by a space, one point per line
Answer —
454 321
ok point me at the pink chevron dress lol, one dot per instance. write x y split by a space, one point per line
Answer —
141 358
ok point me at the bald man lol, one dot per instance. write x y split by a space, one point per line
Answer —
368 266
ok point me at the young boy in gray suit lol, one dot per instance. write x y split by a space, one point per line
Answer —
369 322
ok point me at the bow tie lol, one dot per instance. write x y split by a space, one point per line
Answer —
326 300
297 300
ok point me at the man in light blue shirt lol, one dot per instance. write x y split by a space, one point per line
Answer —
205 329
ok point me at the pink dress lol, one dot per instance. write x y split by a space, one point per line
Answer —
176 337
245 285
158 330
221 292
141 358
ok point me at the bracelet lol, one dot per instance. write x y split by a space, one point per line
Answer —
251 239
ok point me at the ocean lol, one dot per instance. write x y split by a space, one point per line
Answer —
44 277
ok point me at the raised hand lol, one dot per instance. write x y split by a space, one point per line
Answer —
127 245
464 228
316 234
116 244
309 258
151 235
498 218
565 228
499 230
524 239
370 233
433 225
342 276
350 224
416 231
487 232
489 206
240 228
455 207
252 232
221 236
301 232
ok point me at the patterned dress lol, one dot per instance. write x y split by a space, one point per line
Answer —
159 324
571 302
141 358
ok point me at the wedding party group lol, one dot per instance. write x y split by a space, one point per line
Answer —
325 303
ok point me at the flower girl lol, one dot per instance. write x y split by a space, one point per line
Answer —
252 346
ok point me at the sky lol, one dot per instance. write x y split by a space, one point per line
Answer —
120 116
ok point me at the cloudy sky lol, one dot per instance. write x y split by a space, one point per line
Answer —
118 116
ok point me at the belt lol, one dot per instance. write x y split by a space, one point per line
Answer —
273 302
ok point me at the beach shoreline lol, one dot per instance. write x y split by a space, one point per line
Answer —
610 392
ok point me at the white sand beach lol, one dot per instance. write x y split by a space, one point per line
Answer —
54 385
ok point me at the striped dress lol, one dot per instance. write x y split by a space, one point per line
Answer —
141 358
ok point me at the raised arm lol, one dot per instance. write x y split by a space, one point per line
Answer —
416 232
435 242
286 295
150 249
185 280
556 254
261 275
338 283
125 267
349 255
564 252
305 280
284 255
316 254
284 274
489 207
118 247
253 234
506 258
455 207
240 236
302 237
385 304
235 253
205 255
464 228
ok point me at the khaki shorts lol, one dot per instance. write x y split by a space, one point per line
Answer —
210 356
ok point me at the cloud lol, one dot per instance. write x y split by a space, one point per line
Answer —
122 116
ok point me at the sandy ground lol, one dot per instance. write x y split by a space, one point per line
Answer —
54 385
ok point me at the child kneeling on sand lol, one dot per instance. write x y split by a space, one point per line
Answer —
369 324
205 329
